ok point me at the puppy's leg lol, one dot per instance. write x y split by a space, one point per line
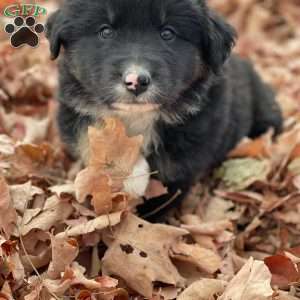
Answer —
73 129
267 113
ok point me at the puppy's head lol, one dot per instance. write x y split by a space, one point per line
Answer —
133 54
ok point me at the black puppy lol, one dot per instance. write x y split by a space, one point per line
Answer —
164 68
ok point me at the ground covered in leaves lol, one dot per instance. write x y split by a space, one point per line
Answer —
236 236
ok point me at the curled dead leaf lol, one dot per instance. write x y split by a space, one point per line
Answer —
205 289
253 281
205 259
98 223
54 211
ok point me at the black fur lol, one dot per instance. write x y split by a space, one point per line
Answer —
208 99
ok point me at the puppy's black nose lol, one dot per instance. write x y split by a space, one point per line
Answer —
137 83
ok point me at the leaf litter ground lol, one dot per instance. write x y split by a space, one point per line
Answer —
69 232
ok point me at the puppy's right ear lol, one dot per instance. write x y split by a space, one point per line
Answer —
54 27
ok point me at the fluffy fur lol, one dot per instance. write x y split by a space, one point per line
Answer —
208 98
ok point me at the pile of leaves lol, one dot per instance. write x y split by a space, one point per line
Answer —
70 232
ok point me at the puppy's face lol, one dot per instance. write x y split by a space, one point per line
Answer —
139 55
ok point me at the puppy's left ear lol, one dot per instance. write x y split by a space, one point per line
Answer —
54 28
219 41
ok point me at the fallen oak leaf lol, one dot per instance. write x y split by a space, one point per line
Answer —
85 295
37 291
6 292
7 145
24 128
139 254
117 293
285 296
168 292
64 252
31 159
257 148
253 281
112 158
54 211
42 259
90 182
209 228
204 289
22 194
74 275
7 247
67 188
239 174
205 259
220 209
8 214
98 223
284 271
111 147
16 269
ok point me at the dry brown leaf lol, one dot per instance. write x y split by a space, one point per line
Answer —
64 252
16 268
74 275
205 289
111 148
67 188
6 292
219 209
21 194
85 295
7 145
139 253
112 158
54 212
22 128
253 281
167 293
31 159
98 223
285 296
284 271
8 215
258 148
36 292
40 260
203 258
209 228
91 182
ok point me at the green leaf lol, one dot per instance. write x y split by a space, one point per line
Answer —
239 174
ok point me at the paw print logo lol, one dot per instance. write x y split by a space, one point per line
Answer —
24 32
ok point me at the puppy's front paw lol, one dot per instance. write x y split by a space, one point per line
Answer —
137 183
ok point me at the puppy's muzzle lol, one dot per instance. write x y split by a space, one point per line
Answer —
137 82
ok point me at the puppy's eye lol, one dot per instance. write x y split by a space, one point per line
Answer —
106 32
167 34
